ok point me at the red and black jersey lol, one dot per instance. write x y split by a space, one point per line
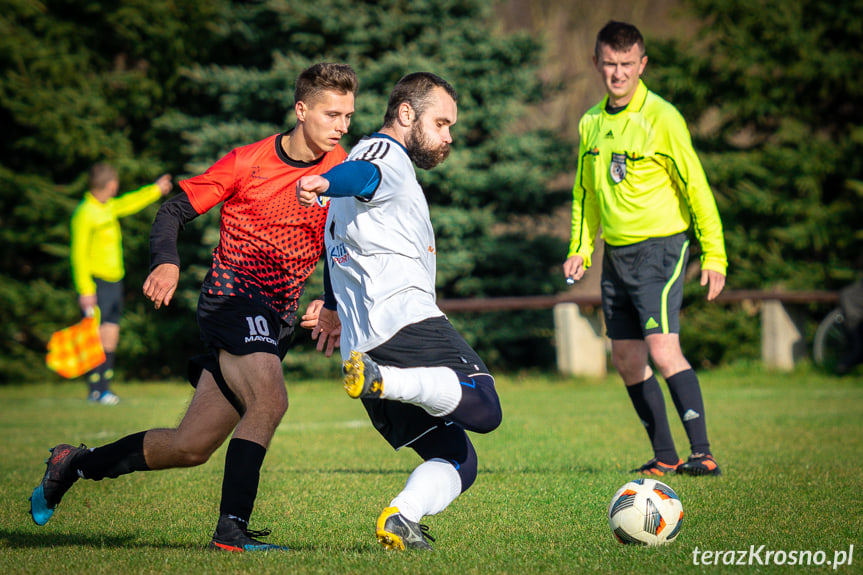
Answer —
269 243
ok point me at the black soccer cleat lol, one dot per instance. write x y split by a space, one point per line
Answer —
395 532
233 534
656 468
60 474
700 464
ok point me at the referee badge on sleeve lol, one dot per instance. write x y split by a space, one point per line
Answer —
617 169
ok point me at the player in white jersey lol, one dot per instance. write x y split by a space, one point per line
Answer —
382 250
420 382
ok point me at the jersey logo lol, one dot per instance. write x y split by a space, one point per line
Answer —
690 415
256 173
617 169
322 201
609 134
339 254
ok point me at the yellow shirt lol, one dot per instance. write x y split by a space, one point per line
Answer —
97 244
639 176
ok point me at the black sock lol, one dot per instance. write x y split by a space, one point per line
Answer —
108 370
115 459
243 463
94 378
686 394
650 406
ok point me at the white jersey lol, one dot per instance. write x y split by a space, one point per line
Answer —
381 252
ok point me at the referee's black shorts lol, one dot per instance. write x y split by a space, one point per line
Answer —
642 286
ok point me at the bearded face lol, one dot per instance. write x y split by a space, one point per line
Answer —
422 150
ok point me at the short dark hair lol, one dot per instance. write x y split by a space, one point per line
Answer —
619 36
324 77
101 175
415 89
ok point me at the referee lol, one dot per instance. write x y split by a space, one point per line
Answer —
639 177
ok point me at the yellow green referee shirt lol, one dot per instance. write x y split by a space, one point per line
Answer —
97 244
639 176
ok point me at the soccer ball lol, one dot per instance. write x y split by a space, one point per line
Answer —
645 512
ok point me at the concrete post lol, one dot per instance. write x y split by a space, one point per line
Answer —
781 340
581 348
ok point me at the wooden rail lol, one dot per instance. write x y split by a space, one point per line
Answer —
796 297
582 347
511 303
549 301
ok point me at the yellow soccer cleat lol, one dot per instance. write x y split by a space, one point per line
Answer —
362 376
395 532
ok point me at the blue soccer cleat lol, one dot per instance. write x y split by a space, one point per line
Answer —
233 534
59 476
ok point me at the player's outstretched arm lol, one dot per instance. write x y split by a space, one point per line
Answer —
354 178
160 285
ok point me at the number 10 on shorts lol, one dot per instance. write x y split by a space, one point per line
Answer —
258 325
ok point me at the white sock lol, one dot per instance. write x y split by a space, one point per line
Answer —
436 389
429 490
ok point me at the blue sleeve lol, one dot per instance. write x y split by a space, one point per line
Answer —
355 178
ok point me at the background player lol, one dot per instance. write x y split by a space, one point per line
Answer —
639 176
268 247
97 262
420 382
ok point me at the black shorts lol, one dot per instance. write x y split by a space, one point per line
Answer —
109 298
642 287
239 326
430 343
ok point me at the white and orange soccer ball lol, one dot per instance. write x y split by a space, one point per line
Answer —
645 512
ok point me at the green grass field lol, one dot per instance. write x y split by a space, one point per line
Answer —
790 447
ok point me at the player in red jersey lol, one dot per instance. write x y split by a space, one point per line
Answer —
268 247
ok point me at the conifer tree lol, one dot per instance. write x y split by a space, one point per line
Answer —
499 170
771 90
79 83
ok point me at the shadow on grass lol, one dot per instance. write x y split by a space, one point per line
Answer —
342 470
26 539
544 470
354 548
527 470
531 470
